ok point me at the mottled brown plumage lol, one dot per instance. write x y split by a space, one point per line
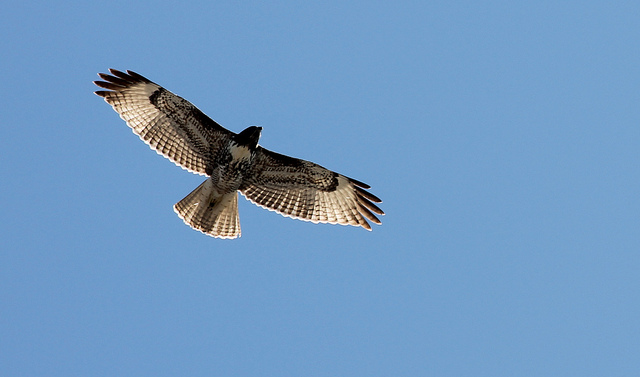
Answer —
233 162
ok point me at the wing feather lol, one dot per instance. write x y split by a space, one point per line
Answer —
169 124
304 190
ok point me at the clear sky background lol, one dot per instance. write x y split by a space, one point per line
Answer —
502 136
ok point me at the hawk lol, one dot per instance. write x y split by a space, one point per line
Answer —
232 162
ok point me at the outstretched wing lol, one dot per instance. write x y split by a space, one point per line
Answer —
303 190
168 123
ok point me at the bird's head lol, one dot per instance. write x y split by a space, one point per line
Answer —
249 137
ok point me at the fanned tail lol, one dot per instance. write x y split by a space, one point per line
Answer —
209 212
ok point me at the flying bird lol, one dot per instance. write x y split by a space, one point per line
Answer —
232 162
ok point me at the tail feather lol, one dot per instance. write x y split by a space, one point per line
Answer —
209 212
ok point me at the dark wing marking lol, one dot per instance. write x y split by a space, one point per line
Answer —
168 123
303 190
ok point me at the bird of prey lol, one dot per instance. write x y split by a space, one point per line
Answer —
232 162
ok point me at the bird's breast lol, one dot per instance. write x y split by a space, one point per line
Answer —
228 174
239 152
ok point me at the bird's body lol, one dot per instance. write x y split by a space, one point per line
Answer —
233 162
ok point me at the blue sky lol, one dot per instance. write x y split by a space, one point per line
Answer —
502 137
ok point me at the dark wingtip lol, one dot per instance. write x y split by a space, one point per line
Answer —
108 85
129 76
119 80
117 73
363 223
138 76
358 183
367 203
123 82
368 195
370 216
